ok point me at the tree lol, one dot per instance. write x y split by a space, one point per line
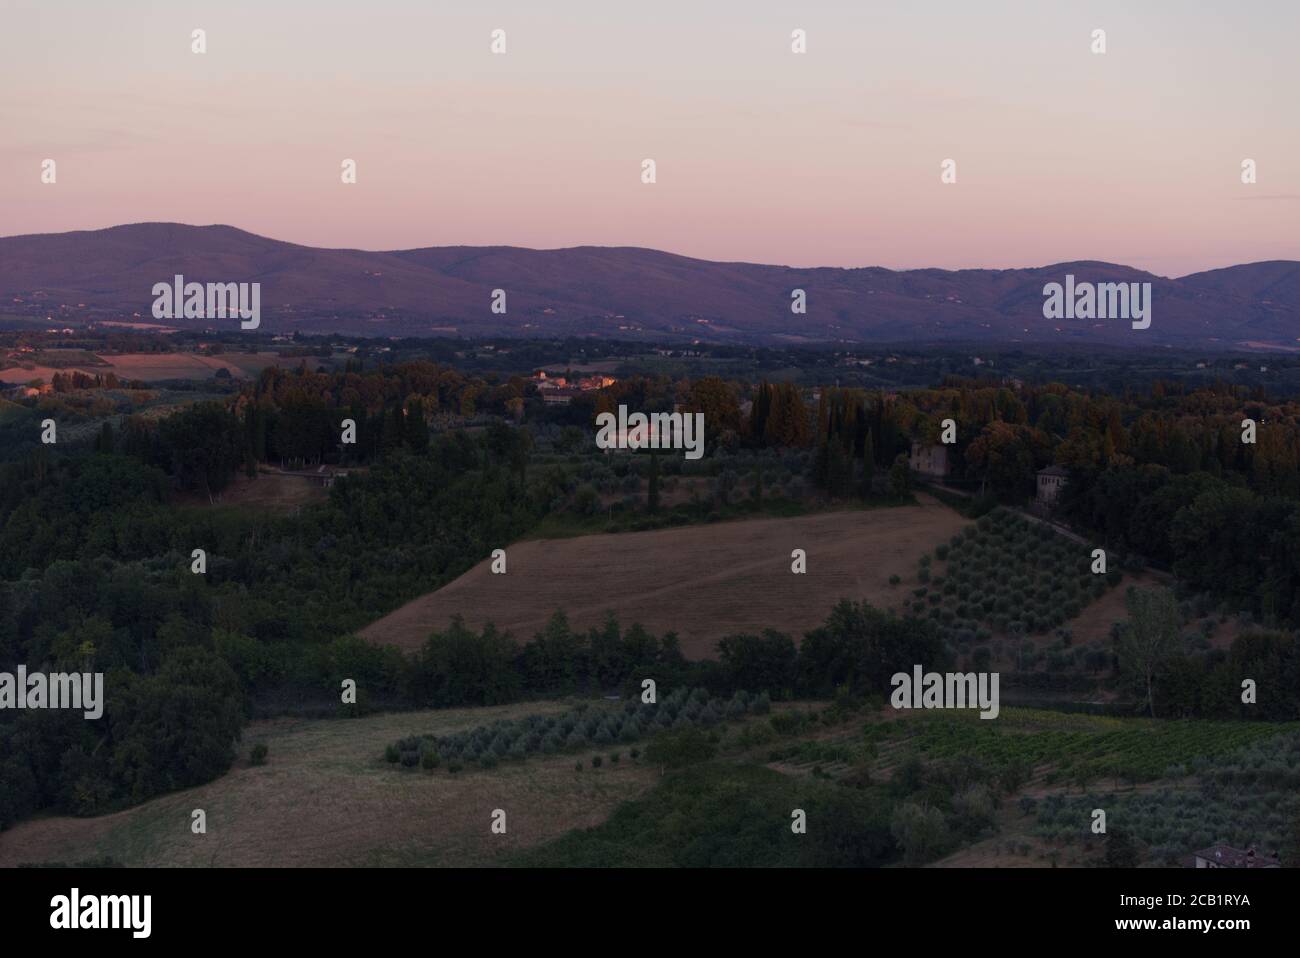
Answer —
394 430
868 466
680 748
1290 850
900 477
1003 455
863 647
652 488
1150 637
920 830
1121 851
767 662
416 430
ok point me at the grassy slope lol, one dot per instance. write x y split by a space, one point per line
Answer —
326 797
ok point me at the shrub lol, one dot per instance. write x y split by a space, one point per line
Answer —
429 760
787 723
614 757
392 754
577 766
258 755
678 749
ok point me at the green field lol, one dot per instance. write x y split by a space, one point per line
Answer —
1072 749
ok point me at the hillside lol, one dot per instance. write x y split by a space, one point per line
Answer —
623 291
703 581
326 798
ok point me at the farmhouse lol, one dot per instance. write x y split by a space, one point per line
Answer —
560 396
1050 482
1225 856
929 459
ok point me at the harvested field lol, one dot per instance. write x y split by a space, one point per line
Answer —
703 581
326 797
152 367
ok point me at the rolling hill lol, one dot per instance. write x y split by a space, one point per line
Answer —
624 292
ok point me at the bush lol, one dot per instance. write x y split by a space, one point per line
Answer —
429 760
787 723
392 754
596 761
258 755
680 748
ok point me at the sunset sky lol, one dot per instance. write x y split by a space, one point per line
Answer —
827 158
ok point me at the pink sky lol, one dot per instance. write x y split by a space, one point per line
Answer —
827 158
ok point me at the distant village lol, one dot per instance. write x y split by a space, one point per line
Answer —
559 390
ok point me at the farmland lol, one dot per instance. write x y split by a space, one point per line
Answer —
326 797
582 728
1064 749
1006 792
148 367
1007 576
701 581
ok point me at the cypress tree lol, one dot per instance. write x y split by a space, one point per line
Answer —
394 427
105 441
415 428
868 465
652 489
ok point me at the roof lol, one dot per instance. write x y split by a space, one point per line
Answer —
1053 471
1229 857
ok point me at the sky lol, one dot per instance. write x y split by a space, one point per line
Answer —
826 158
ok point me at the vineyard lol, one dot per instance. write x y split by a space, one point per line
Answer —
1071 750
1247 798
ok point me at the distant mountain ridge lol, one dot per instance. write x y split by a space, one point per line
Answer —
625 292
